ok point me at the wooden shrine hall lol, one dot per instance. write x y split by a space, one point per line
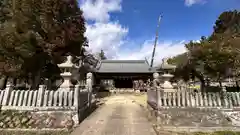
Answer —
122 73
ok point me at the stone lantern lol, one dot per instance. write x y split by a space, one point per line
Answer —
66 73
167 86
167 68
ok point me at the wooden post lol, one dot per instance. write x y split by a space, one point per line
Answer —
40 95
7 94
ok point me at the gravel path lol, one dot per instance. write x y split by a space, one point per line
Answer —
119 116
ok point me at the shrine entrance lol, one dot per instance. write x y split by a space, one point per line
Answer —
123 83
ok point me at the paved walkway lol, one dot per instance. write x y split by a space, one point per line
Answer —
119 116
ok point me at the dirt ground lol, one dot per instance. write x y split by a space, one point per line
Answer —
118 116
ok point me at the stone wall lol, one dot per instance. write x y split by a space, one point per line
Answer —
195 119
10 119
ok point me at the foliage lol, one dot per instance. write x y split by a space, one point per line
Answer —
216 56
102 55
177 60
36 35
228 22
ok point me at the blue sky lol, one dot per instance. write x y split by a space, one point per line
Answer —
125 29
179 21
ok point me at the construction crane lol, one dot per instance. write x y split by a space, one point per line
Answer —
156 39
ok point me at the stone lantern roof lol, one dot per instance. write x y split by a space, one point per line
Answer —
67 64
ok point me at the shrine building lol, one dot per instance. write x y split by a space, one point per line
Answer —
122 73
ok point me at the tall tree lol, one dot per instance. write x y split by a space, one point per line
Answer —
214 56
228 22
37 34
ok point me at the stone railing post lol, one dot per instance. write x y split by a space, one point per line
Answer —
8 91
159 93
89 84
76 96
225 97
40 95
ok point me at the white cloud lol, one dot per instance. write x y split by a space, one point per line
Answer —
110 36
98 10
163 50
106 36
103 34
192 2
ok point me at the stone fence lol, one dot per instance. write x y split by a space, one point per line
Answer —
42 98
191 110
194 99
43 108
194 111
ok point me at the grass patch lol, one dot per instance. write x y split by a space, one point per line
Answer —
35 132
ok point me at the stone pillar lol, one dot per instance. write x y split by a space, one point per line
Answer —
76 96
40 95
8 91
157 89
89 84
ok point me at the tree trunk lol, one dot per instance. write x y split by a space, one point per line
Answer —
30 82
3 82
237 85
201 78
37 80
220 83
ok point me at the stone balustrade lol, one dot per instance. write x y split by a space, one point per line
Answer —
194 99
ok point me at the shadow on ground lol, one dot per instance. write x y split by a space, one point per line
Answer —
89 111
101 95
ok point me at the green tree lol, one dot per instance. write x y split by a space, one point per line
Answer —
37 35
215 55
177 60
228 22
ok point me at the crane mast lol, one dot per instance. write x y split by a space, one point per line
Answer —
156 39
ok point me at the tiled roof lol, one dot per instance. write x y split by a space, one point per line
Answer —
124 66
